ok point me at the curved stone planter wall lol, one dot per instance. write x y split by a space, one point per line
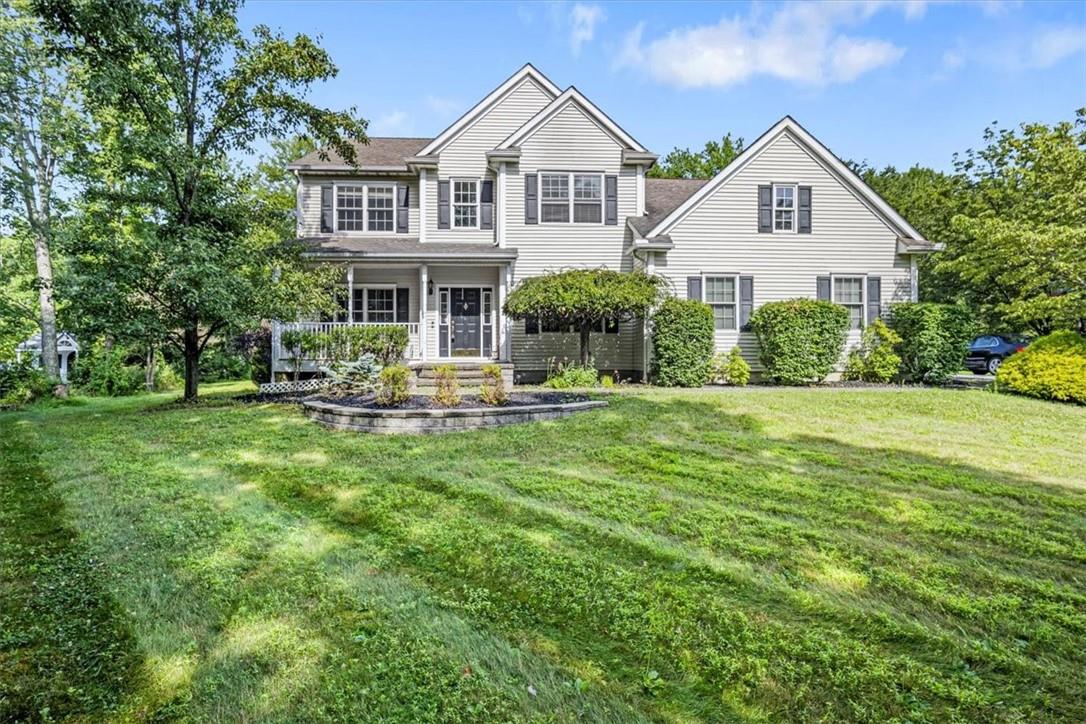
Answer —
361 419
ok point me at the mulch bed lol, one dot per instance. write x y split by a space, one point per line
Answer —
417 402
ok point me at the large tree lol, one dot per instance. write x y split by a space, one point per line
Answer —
40 129
178 90
1022 251
706 163
584 299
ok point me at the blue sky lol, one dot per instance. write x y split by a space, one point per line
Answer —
887 82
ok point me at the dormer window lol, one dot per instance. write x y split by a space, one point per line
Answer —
784 208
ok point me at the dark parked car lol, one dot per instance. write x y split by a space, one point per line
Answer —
988 352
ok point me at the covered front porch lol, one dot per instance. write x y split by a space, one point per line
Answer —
452 312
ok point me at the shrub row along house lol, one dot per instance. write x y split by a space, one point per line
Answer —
434 232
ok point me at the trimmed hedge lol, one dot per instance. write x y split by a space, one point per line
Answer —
801 339
1052 368
934 339
682 343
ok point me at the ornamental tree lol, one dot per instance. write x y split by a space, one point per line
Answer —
178 92
584 299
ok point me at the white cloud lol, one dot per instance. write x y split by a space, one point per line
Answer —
800 42
1052 45
391 124
444 106
582 25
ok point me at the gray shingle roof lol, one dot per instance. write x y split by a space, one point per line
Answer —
400 247
662 196
380 153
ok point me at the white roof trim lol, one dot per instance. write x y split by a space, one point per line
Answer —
813 145
571 95
479 109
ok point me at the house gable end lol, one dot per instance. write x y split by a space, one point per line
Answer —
572 97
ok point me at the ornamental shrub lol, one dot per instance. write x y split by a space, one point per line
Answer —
392 387
934 339
493 391
357 377
682 343
562 377
448 386
875 359
731 368
801 339
110 372
1052 368
21 382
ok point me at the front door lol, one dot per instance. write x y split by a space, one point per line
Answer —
466 333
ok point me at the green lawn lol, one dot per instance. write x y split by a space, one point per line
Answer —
737 555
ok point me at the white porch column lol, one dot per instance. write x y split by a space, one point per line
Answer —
64 367
505 279
914 280
646 337
422 204
424 274
350 294
500 205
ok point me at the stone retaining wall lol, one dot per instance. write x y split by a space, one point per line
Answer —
343 417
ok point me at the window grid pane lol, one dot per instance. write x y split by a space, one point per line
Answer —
380 208
587 188
554 187
349 213
465 200
848 291
724 316
720 290
554 213
587 213
784 195
381 305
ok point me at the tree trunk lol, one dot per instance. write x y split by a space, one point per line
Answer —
192 364
586 356
150 368
49 361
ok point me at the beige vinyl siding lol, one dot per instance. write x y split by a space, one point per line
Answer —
465 155
309 202
570 141
720 236
399 276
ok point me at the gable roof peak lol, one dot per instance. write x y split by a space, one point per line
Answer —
526 71
568 96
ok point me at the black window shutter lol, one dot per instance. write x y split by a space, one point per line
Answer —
610 196
327 212
531 325
401 208
486 204
874 299
746 302
765 209
693 288
442 204
823 284
531 201
403 304
804 226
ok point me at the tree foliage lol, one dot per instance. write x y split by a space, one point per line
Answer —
176 87
706 163
584 299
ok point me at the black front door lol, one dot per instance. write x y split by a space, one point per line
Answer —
466 329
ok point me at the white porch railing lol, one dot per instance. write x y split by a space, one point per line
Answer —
279 355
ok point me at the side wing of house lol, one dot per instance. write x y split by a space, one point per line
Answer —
784 222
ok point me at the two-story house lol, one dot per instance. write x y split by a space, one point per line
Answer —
434 232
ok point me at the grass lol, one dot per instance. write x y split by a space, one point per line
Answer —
678 556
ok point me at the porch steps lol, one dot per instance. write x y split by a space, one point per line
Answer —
468 374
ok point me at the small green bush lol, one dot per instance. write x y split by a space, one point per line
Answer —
934 339
222 362
21 383
392 386
564 377
448 386
493 391
110 371
1052 368
801 339
875 359
354 377
682 343
731 368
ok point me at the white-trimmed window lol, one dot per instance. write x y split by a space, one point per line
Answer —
849 293
587 198
375 304
784 208
554 198
722 294
380 212
350 207
571 198
465 203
